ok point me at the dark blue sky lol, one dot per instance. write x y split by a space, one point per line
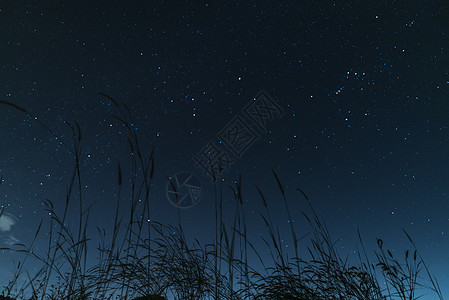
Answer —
363 86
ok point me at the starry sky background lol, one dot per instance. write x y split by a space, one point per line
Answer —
363 84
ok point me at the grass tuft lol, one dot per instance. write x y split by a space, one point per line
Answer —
140 258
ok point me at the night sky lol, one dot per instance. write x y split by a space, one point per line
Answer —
354 98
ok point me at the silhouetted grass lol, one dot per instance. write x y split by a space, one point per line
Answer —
144 259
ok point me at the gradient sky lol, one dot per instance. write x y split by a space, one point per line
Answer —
363 86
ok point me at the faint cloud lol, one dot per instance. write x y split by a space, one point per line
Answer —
11 240
6 222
